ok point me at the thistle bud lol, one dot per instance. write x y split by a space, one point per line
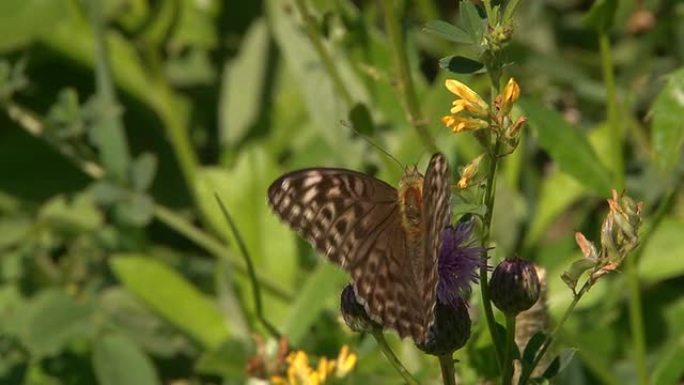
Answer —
450 331
354 314
514 286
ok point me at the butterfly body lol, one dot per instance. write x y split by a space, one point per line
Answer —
387 239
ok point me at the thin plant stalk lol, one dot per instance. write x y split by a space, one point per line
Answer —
406 88
314 35
446 364
507 374
214 247
113 145
636 321
256 290
486 230
392 358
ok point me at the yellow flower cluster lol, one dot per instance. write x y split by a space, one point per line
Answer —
300 373
470 112
467 113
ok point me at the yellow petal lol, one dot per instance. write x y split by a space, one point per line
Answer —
474 102
510 95
345 361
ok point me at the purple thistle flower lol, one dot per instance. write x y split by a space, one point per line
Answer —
459 259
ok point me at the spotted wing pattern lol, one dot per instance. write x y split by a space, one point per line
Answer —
355 220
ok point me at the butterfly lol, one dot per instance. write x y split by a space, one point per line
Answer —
387 239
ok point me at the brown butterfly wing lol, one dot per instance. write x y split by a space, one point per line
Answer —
354 219
436 211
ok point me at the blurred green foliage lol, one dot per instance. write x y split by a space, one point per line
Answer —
122 118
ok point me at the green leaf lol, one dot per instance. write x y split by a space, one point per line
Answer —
23 20
321 96
558 192
243 190
668 368
137 210
663 255
470 21
531 348
448 31
559 363
119 361
132 317
172 296
53 320
242 86
668 126
324 283
568 147
461 65
601 15
13 231
143 170
228 360
76 216
575 271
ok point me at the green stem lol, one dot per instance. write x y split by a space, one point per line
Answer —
112 144
636 321
486 231
406 87
507 374
525 375
317 40
616 137
635 310
446 363
256 290
387 351
215 248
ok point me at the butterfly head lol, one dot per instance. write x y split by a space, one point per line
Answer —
411 200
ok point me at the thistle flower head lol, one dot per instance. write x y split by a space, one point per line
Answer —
451 328
458 260
514 285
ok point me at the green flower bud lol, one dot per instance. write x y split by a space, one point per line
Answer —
451 328
354 314
514 286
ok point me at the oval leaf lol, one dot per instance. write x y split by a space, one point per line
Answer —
668 125
119 361
174 298
568 147
448 31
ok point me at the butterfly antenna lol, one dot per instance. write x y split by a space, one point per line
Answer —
369 141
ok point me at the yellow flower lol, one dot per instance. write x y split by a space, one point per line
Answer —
325 367
277 380
299 372
345 362
459 123
510 94
468 172
470 101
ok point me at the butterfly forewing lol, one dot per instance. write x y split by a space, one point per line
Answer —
355 220
436 209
